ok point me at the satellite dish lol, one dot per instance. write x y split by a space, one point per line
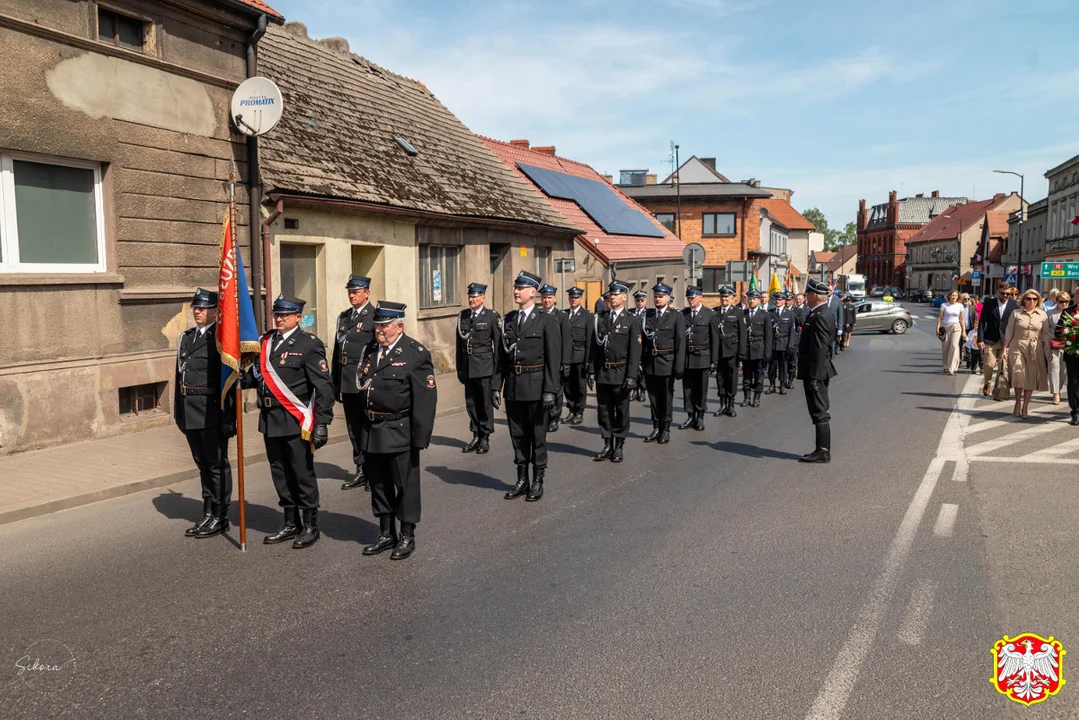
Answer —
256 106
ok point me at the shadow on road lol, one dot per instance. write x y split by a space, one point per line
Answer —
446 441
328 471
748 450
570 449
453 476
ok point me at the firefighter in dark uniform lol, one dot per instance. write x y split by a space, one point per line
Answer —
296 398
702 354
815 367
758 349
198 413
397 388
798 310
782 342
478 337
548 298
640 302
663 359
616 355
531 369
355 330
730 324
580 330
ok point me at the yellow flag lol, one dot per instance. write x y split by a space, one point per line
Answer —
774 285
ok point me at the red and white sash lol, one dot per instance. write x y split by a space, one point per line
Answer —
304 414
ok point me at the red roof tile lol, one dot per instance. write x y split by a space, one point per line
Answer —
949 223
841 257
262 7
785 213
997 221
609 248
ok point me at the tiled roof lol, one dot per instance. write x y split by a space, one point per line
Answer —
701 164
841 257
785 213
261 7
337 139
609 248
913 211
946 226
695 190
823 257
997 222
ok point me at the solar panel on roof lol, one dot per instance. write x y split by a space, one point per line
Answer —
596 199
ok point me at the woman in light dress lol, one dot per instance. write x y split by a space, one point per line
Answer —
1026 343
952 321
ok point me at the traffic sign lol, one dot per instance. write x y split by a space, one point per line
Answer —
976 276
1067 270
693 255
1010 278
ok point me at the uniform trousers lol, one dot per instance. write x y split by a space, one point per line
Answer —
576 388
292 467
353 417
727 376
792 364
527 420
612 406
395 484
660 397
695 390
752 377
817 400
481 416
210 450
1071 363
778 367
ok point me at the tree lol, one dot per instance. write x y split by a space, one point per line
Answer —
833 239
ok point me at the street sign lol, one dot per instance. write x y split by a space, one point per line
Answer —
976 276
1010 278
1067 270
565 265
739 271
256 106
693 255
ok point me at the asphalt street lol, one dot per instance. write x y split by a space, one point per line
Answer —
714 577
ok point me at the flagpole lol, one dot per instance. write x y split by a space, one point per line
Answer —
238 390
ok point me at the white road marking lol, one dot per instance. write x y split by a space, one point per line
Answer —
1009 439
962 471
1012 460
1052 453
912 629
946 520
987 425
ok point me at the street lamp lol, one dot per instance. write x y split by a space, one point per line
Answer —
1022 218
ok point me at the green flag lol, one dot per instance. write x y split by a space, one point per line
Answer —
753 282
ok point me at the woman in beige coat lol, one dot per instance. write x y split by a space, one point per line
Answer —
1026 343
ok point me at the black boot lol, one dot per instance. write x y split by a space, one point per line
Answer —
664 433
605 453
471 447
289 530
387 536
207 516
553 425
756 398
782 389
484 446
1075 419
730 407
722 407
688 424
219 521
654 434
358 480
569 418
698 424
771 389
745 399
616 452
522 483
823 453
310 534
577 419
536 491
406 544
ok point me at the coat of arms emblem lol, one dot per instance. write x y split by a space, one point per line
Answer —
1028 668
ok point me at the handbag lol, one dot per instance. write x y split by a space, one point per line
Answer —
941 334
1056 344
1002 389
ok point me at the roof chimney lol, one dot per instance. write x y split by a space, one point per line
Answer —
710 162
936 193
295 28
919 195
609 178
545 149
999 196
519 144
650 179
337 44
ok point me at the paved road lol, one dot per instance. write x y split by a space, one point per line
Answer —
711 578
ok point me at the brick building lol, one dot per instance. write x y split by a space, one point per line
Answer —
883 231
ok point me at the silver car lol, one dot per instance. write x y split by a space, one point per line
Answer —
882 316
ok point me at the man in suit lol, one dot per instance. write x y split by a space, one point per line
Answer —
991 328
782 341
835 304
296 398
759 332
531 378
730 322
663 360
355 330
580 330
548 298
616 355
640 301
702 354
478 339
815 367
798 310
198 413
397 385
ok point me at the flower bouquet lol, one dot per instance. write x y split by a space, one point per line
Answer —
1067 337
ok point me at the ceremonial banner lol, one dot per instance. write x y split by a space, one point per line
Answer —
237 333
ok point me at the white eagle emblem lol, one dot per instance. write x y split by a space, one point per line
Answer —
1024 674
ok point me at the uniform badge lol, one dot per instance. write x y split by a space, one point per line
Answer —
322 366
397 351
1028 668
430 381
283 359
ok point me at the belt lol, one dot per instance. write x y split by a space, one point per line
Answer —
384 417
268 401
518 369
482 350
608 365
345 362
189 390
698 348
662 351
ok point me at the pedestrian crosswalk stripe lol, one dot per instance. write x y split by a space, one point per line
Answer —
1058 450
1009 439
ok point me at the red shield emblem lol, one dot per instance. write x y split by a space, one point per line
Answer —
1028 668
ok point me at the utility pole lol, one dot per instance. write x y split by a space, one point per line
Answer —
678 193
1022 219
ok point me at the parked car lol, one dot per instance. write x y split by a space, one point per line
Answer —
876 291
883 317
919 295
940 298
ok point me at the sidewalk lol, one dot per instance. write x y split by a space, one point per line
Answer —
44 481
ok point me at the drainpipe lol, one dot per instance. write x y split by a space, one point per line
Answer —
260 259
268 301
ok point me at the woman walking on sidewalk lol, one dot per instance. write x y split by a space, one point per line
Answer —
1027 344
1069 313
952 322
1056 366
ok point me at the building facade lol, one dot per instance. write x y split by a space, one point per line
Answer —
1033 229
114 162
1062 235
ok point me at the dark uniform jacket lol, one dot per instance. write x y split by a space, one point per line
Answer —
848 315
531 356
818 334
562 319
758 334
702 340
580 331
731 329
399 398
799 314
300 363
478 340
782 329
198 368
616 347
664 343
353 335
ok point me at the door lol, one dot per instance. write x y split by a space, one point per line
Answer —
299 279
593 290
500 292
367 261
866 318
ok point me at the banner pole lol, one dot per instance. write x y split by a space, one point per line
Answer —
239 391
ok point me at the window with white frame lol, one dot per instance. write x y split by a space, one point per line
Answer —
51 215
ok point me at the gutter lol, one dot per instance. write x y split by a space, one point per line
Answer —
260 257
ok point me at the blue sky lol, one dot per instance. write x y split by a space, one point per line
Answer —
836 99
